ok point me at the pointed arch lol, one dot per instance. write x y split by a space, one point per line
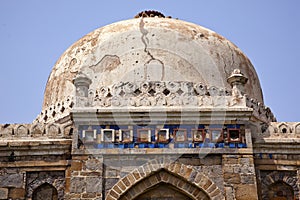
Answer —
297 128
22 131
186 179
279 178
53 130
280 190
36 179
283 128
37 130
45 191
67 129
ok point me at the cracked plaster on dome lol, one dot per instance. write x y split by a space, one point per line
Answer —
143 49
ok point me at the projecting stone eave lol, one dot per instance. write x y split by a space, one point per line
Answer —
30 153
157 115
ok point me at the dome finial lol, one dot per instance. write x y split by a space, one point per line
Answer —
150 13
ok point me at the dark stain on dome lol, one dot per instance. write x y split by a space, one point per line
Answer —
151 13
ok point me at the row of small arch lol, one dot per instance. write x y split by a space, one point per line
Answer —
286 128
37 130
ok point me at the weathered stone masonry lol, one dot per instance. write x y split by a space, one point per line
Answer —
151 108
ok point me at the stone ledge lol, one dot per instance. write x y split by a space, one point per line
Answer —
282 140
166 115
34 141
35 164
277 162
165 151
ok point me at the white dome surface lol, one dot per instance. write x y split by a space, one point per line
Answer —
150 49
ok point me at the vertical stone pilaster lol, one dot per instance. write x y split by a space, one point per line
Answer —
239 177
86 177
75 139
248 138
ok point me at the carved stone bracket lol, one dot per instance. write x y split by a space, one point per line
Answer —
260 111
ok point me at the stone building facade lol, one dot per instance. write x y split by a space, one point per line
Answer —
151 108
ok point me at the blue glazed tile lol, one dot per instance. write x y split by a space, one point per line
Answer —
220 145
232 145
160 145
233 126
200 145
211 145
181 145
242 145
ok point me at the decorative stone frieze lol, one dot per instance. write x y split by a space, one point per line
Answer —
283 130
35 130
154 93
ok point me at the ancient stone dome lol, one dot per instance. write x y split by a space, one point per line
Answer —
153 49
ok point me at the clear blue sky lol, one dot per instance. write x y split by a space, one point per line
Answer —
34 33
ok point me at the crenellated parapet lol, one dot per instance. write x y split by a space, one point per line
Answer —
35 131
56 112
157 94
284 129
151 93
260 111
171 94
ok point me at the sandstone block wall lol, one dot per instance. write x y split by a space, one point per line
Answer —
239 177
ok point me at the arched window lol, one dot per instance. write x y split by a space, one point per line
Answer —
281 191
45 192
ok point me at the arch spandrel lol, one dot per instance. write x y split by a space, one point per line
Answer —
186 179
